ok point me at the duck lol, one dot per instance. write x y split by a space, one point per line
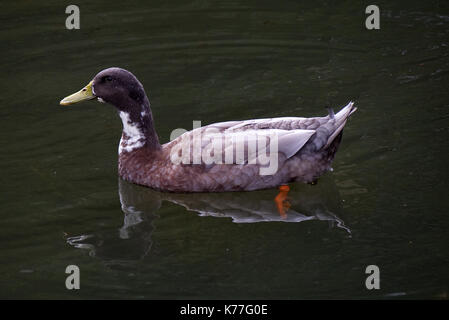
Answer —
236 155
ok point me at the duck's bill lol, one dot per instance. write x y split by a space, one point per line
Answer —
82 95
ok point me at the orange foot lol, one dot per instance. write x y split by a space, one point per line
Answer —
281 201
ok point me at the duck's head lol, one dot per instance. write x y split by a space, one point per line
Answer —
115 86
121 88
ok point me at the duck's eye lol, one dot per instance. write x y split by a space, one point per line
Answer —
107 78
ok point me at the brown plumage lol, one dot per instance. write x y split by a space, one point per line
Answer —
299 149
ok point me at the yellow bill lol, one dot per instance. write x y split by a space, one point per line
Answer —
82 95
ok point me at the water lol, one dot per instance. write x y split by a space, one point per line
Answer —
385 203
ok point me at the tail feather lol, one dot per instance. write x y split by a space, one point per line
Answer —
345 112
339 121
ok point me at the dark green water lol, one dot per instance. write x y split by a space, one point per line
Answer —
385 203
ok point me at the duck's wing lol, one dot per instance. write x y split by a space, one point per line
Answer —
289 133
327 128
215 144
255 143
292 123
281 123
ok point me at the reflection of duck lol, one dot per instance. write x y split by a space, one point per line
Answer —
140 206
218 157
304 204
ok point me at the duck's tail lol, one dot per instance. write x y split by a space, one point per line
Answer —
337 122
